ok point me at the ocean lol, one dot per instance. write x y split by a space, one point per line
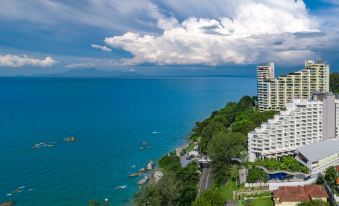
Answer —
111 119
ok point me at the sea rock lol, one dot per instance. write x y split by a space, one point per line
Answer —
8 203
150 165
71 139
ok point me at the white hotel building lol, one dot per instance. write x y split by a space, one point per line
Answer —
303 122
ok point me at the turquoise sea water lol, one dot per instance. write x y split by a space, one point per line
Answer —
111 117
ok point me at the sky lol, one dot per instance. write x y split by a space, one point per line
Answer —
166 36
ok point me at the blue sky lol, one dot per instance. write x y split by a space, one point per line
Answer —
165 36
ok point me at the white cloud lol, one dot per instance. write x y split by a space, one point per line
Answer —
112 15
20 61
259 30
102 48
80 65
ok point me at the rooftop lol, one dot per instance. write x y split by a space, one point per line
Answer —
319 150
299 193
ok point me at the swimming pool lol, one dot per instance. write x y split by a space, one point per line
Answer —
279 176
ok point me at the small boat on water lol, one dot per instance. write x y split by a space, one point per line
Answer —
155 132
43 144
121 187
133 166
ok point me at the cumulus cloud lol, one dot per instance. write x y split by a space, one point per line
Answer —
258 30
20 61
102 48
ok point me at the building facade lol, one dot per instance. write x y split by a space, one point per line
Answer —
303 122
274 93
319 156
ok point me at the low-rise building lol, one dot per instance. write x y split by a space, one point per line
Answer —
293 195
319 156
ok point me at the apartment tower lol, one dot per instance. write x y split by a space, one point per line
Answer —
274 93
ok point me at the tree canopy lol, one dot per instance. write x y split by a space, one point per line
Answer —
211 197
334 82
224 134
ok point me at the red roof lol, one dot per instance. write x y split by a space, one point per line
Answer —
299 193
337 168
316 191
337 180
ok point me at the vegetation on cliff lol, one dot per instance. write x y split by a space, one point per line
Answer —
223 135
178 186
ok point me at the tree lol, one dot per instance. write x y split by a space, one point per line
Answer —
210 197
330 175
256 175
208 132
334 82
234 173
245 103
169 162
222 148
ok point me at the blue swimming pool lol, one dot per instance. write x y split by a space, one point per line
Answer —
279 176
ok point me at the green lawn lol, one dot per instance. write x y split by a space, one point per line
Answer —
266 201
227 190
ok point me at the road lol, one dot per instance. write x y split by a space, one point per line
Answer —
205 180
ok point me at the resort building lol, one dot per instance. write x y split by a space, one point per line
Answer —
274 93
293 195
303 122
319 156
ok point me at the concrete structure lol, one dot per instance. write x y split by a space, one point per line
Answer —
303 122
292 196
275 93
317 157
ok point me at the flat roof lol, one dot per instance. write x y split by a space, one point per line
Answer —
319 150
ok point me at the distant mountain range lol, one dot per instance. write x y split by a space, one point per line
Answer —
93 72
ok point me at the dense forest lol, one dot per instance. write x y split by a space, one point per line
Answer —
224 135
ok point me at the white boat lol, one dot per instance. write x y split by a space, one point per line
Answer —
121 187
155 132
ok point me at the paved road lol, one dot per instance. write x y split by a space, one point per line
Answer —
205 180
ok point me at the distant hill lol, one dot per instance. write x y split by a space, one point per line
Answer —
93 72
